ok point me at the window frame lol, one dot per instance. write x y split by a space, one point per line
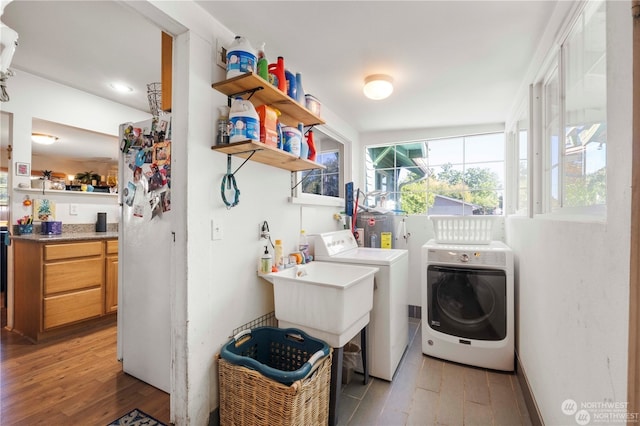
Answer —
303 198
464 164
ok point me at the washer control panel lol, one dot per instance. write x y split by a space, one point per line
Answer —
332 243
472 256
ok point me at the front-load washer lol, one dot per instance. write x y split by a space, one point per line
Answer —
388 334
467 293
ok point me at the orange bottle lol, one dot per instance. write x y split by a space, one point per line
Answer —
312 146
277 70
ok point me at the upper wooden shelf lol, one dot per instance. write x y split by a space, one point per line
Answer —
266 154
266 94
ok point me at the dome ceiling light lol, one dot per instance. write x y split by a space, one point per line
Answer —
43 139
378 86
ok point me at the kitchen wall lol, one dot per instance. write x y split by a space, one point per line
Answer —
572 273
35 97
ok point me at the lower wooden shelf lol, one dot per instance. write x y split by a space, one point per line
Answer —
266 154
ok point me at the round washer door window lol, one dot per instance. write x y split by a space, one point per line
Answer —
465 302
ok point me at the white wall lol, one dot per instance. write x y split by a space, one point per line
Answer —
572 276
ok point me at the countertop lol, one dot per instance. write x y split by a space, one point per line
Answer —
66 236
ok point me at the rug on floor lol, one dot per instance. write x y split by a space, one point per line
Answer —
136 418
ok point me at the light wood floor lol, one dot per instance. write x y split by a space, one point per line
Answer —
71 381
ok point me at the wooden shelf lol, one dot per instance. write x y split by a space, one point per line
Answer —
266 154
245 84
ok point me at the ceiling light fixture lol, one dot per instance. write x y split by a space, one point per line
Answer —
43 139
378 86
120 87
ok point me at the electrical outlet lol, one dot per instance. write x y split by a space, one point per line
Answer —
263 231
221 54
73 209
216 230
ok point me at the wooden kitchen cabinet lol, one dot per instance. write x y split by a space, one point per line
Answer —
111 277
63 284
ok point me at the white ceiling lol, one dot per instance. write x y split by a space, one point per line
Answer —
453 62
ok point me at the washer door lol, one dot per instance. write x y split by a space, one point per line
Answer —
468 303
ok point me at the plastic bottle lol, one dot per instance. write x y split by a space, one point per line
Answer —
303 246
278 257
244 121
292 140
299 90
222 136
304 147
277 71
241 57
280 135
312 146
263 64
292 87
266 261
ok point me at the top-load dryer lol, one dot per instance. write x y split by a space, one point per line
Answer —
388 334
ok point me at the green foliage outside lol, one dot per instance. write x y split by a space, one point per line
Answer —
475 185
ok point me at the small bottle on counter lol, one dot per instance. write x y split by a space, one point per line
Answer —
303 246
278 260
265 261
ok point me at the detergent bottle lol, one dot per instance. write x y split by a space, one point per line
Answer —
276 71
292 87
292 139
244 122
263 64
241 57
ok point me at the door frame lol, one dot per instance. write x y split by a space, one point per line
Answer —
633 385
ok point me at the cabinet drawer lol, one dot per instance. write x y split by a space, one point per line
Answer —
112 247
68 308
73 275
65 251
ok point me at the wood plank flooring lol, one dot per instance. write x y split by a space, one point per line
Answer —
71 381
427 391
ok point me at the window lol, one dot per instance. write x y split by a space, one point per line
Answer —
323 186
585 88
324 182
458 176
574 116
522 200
551 118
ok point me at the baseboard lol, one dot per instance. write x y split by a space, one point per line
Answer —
529 400
214 417
415 311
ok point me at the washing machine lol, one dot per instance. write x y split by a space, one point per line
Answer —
468 296
388 334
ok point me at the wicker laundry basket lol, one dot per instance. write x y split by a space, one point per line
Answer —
249 397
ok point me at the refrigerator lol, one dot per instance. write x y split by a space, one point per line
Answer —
146 247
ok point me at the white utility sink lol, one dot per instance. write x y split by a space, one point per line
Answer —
330 301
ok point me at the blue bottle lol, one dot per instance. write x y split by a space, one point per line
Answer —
299 90
292 88
304 146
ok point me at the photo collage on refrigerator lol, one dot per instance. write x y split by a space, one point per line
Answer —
147 158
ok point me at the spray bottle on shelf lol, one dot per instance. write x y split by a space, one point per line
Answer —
263 64
312 146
